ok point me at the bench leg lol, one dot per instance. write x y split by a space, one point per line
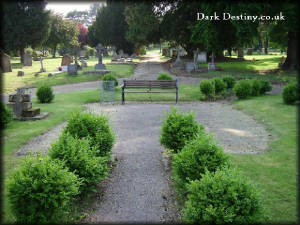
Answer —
123 97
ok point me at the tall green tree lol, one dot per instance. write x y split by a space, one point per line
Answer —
25 23
63 32
143 24
111 27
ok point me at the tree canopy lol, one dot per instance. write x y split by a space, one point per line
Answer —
25 23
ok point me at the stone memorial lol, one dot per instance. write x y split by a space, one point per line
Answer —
202 57
83 54
133 56
20 73
66 60
27 59
178 62
5 60
100 65
190 67
212 65
121 53
72 69
22 107
240 53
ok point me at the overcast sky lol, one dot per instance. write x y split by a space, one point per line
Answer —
65 7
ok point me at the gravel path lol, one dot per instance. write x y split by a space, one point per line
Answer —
138 190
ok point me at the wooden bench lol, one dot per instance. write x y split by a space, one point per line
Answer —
149 84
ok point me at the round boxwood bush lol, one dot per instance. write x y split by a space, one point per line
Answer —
223 197
108 77
265 86
207 87
40 191
6 115
195 158
243 89
290 93
230 81
45 94
164 76
96 127
178 128
220 85
256 86
79 157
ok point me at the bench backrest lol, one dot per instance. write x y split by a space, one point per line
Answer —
150 83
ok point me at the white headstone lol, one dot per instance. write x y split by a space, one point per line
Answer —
202 57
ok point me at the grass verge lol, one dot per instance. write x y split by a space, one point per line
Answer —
275 172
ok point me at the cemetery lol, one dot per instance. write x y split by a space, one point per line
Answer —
133 112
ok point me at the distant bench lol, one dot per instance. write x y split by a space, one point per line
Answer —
149 84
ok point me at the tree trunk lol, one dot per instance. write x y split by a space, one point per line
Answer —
54 51
292 58
22 55
266 44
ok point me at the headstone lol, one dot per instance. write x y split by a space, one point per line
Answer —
83 53
6 66
64 68
212 65
133 56
190 67
100 65
22 107
174 53
27 59
240 53
226 53
202 57
121 53
36 74
72 69
50 75
66 60
178 62
125 55
20 73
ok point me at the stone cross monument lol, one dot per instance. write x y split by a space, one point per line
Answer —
100 65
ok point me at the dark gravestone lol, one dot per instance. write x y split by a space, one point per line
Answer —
100 65
72 69
20 74
27 60
66 60
6 66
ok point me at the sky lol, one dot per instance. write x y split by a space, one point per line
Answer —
65 7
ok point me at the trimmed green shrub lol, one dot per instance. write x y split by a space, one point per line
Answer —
243 89
207 87
45 94
178 128
6 115
223 197
290 93
220 85
230 81
265 86
79 157
195 158
164 76
108 77
256 86
40 191
96 127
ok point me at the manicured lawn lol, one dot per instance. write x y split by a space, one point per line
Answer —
275 172
11 81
